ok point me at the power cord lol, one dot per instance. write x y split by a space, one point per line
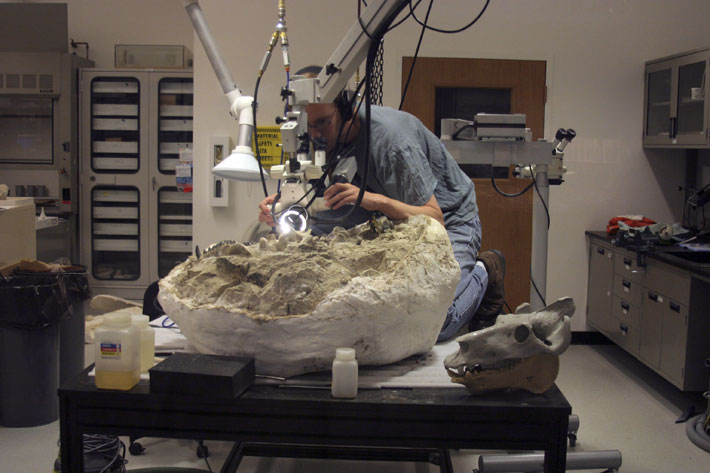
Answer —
416 54
109 448
439 30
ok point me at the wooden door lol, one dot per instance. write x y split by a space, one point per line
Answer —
507 222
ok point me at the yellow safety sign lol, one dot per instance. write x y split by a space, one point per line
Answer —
269 139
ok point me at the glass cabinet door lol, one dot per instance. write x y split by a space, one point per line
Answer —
658 106
174 121
115 233
174 228
691 103
115 125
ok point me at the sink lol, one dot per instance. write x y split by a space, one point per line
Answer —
695 257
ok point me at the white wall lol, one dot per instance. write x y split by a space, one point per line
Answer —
595 53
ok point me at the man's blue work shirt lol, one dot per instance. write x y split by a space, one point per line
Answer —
409 163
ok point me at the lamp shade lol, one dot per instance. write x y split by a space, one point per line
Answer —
239 166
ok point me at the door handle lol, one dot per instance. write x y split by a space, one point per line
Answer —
155 182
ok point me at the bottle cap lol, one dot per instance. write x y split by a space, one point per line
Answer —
117 320
345 354
141 320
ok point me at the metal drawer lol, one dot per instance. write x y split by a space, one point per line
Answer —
628 290
668 280
625 312
625 336
625 266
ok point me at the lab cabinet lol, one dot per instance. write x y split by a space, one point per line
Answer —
675 101
136 225
655 311
601 267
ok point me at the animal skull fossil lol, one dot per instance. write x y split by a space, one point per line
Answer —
520 351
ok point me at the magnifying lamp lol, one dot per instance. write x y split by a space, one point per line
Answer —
241 165
295 218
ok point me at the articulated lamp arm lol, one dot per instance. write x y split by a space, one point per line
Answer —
240 106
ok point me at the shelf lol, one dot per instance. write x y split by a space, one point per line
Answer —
689 101
115 229
109 195
176 230
175 111
109 109
115 147
176 246
116 245
118 87
115 124
176 88
126 163
174 148
176 217
116 212
176 125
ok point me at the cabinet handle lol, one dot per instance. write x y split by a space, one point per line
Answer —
626 284
653 297
627 261
675 307
625 306
600 251
672 127
624 329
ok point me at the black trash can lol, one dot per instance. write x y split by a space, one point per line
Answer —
71 330
30 313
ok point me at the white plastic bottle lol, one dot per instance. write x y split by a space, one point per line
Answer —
116 353
344 382
147 341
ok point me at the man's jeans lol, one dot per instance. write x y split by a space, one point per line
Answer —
466 241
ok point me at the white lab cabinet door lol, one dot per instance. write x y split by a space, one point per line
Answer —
170 209
128 154
676 101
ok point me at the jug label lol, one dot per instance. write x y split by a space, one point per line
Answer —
111 350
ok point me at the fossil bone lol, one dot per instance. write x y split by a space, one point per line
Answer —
290 302
520 351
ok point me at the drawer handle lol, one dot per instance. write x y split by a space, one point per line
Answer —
653 297
600 251
675 307
625 307
624 329
627 261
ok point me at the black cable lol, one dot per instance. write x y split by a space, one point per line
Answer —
203 451
439 30
403 19
371 53
456 134
256 137
544 304
330 166
504 194
110 448
539 194
416 54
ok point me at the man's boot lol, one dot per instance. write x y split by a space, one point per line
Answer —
494 298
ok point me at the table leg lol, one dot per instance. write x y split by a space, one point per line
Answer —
71 440
556 453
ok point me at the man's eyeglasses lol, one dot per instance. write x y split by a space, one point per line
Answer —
322 123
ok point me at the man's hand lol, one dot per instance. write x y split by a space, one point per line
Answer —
265 210
340 194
